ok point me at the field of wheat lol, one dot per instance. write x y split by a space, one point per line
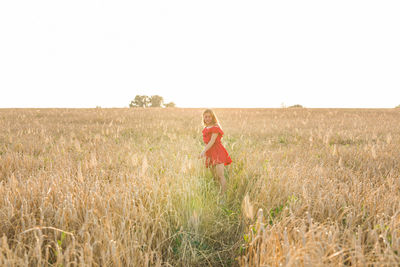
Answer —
125 187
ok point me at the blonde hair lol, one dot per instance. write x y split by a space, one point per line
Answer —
214 118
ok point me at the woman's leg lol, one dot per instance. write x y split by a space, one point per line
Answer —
220 174
214 172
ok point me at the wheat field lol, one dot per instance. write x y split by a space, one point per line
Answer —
125 187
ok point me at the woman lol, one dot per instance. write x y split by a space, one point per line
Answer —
214 152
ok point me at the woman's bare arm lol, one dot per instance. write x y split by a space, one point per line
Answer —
210 144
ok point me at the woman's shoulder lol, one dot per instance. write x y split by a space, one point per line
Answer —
215 129
212 126
209 129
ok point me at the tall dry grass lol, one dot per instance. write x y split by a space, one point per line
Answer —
117 187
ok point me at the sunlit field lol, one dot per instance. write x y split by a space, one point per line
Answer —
125 187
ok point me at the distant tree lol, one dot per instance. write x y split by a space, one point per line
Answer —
142 101
296 106
153 101
156 101
170 105
398 106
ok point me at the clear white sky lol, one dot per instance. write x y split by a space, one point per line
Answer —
81 53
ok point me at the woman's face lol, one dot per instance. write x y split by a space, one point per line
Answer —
207 118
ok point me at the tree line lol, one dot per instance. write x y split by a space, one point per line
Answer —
154 101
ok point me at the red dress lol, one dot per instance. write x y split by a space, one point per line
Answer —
217 154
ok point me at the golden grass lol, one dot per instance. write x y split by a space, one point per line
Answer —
124 187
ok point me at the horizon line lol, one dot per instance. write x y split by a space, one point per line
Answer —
127 107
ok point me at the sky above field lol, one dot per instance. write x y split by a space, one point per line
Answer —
79 53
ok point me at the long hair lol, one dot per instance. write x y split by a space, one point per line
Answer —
214 118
